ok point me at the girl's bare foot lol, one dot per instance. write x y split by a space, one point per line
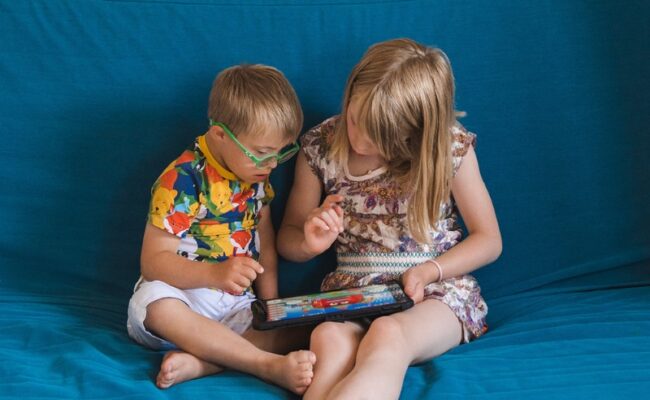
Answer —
293 371
177 367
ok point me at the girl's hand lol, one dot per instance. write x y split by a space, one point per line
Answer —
416 278
323 225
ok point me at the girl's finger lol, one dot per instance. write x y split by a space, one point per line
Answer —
339 213
320 223
331 222
419 292
337 220
332 199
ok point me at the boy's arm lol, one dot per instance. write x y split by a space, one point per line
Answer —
266 285
159 261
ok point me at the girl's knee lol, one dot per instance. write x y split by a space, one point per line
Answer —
386 330
331 334
325 331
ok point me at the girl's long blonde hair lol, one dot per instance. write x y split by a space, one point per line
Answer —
406 92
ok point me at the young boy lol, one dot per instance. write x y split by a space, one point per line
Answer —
209 237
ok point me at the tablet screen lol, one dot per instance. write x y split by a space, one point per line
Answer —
334 301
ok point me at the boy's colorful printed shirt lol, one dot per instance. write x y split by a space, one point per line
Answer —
208 207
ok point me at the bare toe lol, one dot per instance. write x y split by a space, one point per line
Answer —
167 372
301 370
305 356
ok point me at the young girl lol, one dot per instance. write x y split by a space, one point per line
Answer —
397 170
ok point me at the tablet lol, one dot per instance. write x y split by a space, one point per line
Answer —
336 305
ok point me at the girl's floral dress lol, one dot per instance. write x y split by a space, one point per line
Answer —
376 245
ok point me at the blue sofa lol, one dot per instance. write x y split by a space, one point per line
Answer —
98 96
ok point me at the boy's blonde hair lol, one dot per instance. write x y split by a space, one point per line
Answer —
406 95
253 98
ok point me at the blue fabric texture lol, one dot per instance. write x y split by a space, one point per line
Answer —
97 97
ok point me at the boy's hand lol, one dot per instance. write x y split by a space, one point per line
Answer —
323 225
236 274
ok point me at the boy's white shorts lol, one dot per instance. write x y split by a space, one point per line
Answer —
232 311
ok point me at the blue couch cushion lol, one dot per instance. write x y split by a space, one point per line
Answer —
573 339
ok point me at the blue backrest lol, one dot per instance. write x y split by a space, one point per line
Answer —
97 97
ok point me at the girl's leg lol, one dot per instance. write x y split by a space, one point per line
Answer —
392 344
218 345
335 345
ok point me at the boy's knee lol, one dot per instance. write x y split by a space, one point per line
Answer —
159 310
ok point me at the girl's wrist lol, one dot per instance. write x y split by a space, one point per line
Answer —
436 273
307 251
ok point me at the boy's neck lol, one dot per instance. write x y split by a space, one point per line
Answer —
214 149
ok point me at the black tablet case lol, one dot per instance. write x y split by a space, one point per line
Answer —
261 322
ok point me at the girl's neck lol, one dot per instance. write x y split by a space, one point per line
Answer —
361 165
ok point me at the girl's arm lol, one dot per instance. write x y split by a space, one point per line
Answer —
307 229
483 243
266 285
159 261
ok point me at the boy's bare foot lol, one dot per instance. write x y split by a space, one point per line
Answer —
293 371
177 367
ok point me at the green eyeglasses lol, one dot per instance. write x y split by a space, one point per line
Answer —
264 161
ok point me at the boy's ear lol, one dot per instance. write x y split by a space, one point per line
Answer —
217 131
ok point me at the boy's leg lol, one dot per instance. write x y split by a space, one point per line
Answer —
179 366
281 340
335 345
216 344
392 344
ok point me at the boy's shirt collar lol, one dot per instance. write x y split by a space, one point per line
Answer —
203 145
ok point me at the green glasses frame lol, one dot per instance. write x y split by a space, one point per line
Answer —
260 162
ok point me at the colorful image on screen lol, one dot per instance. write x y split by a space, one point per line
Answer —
329 302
